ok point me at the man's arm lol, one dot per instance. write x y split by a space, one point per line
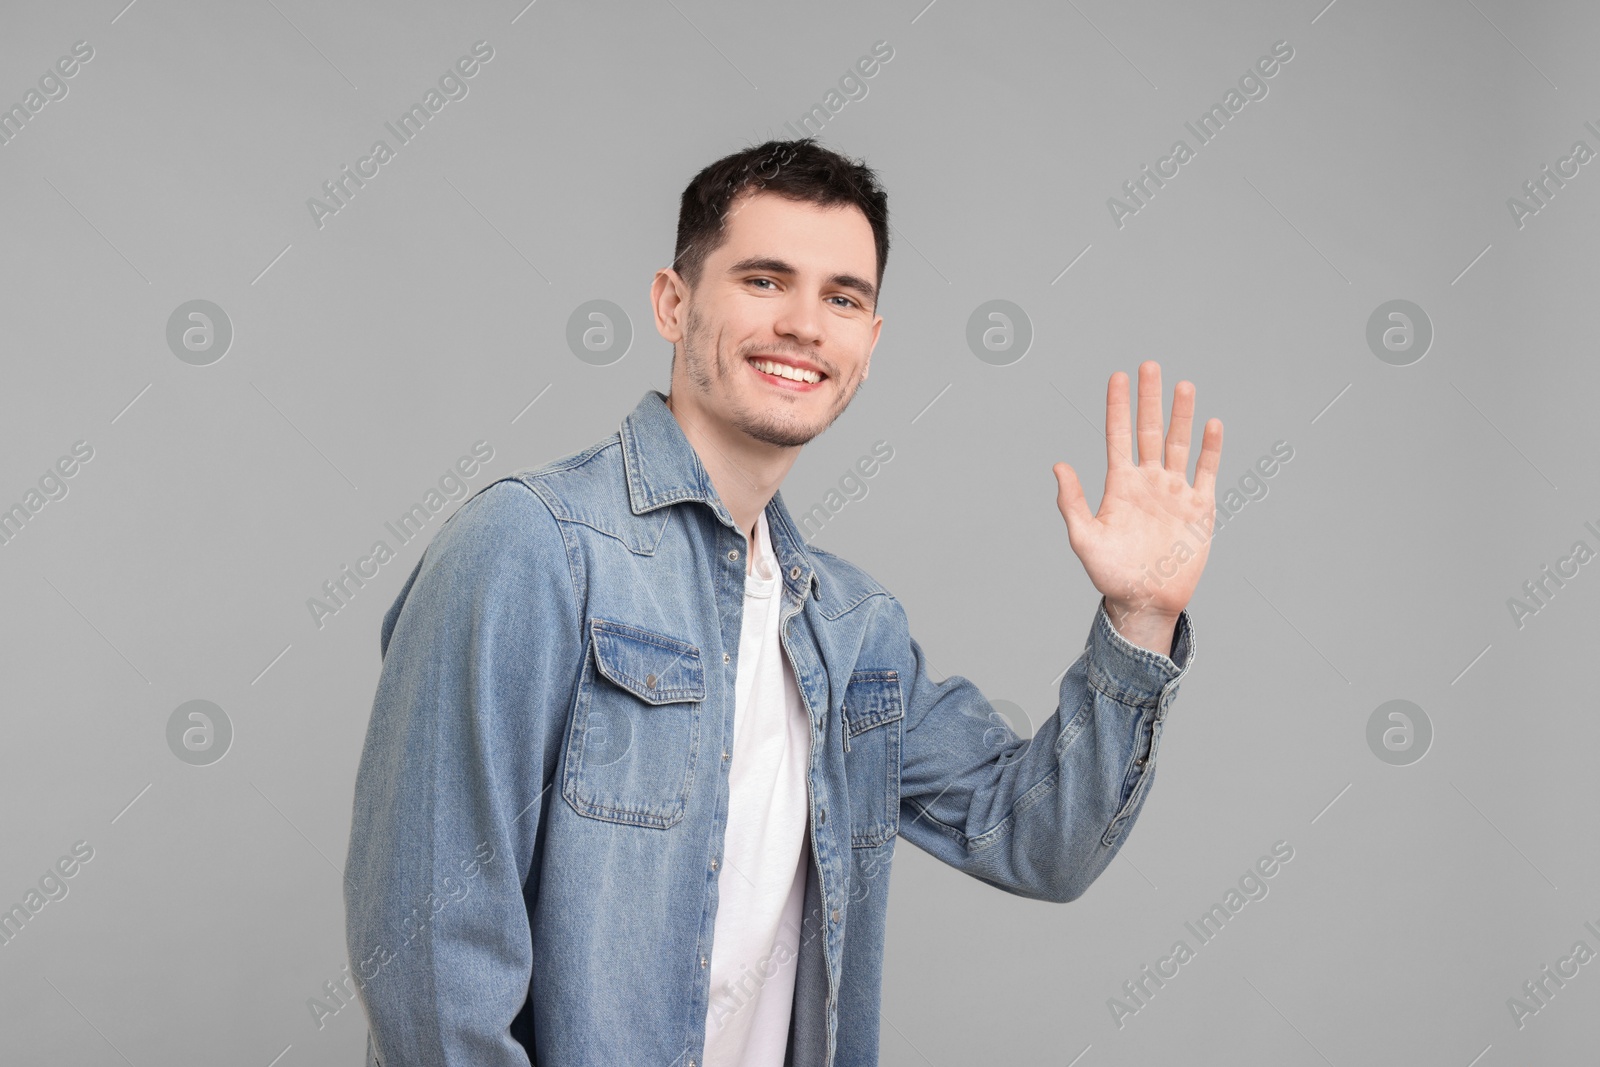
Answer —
1040 818
478 669
1043 818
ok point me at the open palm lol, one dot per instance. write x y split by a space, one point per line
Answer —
1148 544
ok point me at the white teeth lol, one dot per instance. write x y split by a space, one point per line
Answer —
783 370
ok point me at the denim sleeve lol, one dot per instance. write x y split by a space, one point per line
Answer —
478 667
1040 817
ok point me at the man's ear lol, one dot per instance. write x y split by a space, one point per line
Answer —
668 293
877 328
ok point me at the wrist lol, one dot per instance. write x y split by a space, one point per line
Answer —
1143 625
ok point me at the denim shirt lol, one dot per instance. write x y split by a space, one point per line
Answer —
543 789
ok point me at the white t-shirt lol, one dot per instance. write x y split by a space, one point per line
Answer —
761 879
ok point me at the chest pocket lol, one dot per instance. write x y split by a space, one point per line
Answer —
635 730
873 716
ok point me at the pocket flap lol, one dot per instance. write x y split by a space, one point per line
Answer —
653 667
872 698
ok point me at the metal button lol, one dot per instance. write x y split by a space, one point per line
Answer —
1139 762
713 863
794 572
702 963
726 657
725 755
733 553
649 681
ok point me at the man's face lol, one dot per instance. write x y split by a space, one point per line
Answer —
792 284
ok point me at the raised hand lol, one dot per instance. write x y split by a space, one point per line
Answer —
1148 544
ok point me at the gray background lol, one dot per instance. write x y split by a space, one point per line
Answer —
431 312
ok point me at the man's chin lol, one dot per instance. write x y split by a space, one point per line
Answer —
777 421
783 437
785 433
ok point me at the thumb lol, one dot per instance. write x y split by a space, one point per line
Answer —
1070 499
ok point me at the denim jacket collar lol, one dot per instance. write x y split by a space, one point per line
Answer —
663 468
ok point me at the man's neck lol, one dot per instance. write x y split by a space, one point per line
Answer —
744 472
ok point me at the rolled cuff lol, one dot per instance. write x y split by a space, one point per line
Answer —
1134 675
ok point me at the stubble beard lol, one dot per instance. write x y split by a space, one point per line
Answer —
705 371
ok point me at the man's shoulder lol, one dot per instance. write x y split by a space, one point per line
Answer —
570 482
502 547
523 507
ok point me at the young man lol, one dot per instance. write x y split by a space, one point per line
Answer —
639 755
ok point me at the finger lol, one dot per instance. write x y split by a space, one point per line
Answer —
1178 432
1205 469
1119 430
1070 499
1149 412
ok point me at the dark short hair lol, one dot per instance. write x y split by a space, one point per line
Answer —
799 170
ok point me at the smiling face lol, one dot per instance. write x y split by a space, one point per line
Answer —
777 336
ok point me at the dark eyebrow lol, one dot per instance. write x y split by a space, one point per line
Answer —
770 265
